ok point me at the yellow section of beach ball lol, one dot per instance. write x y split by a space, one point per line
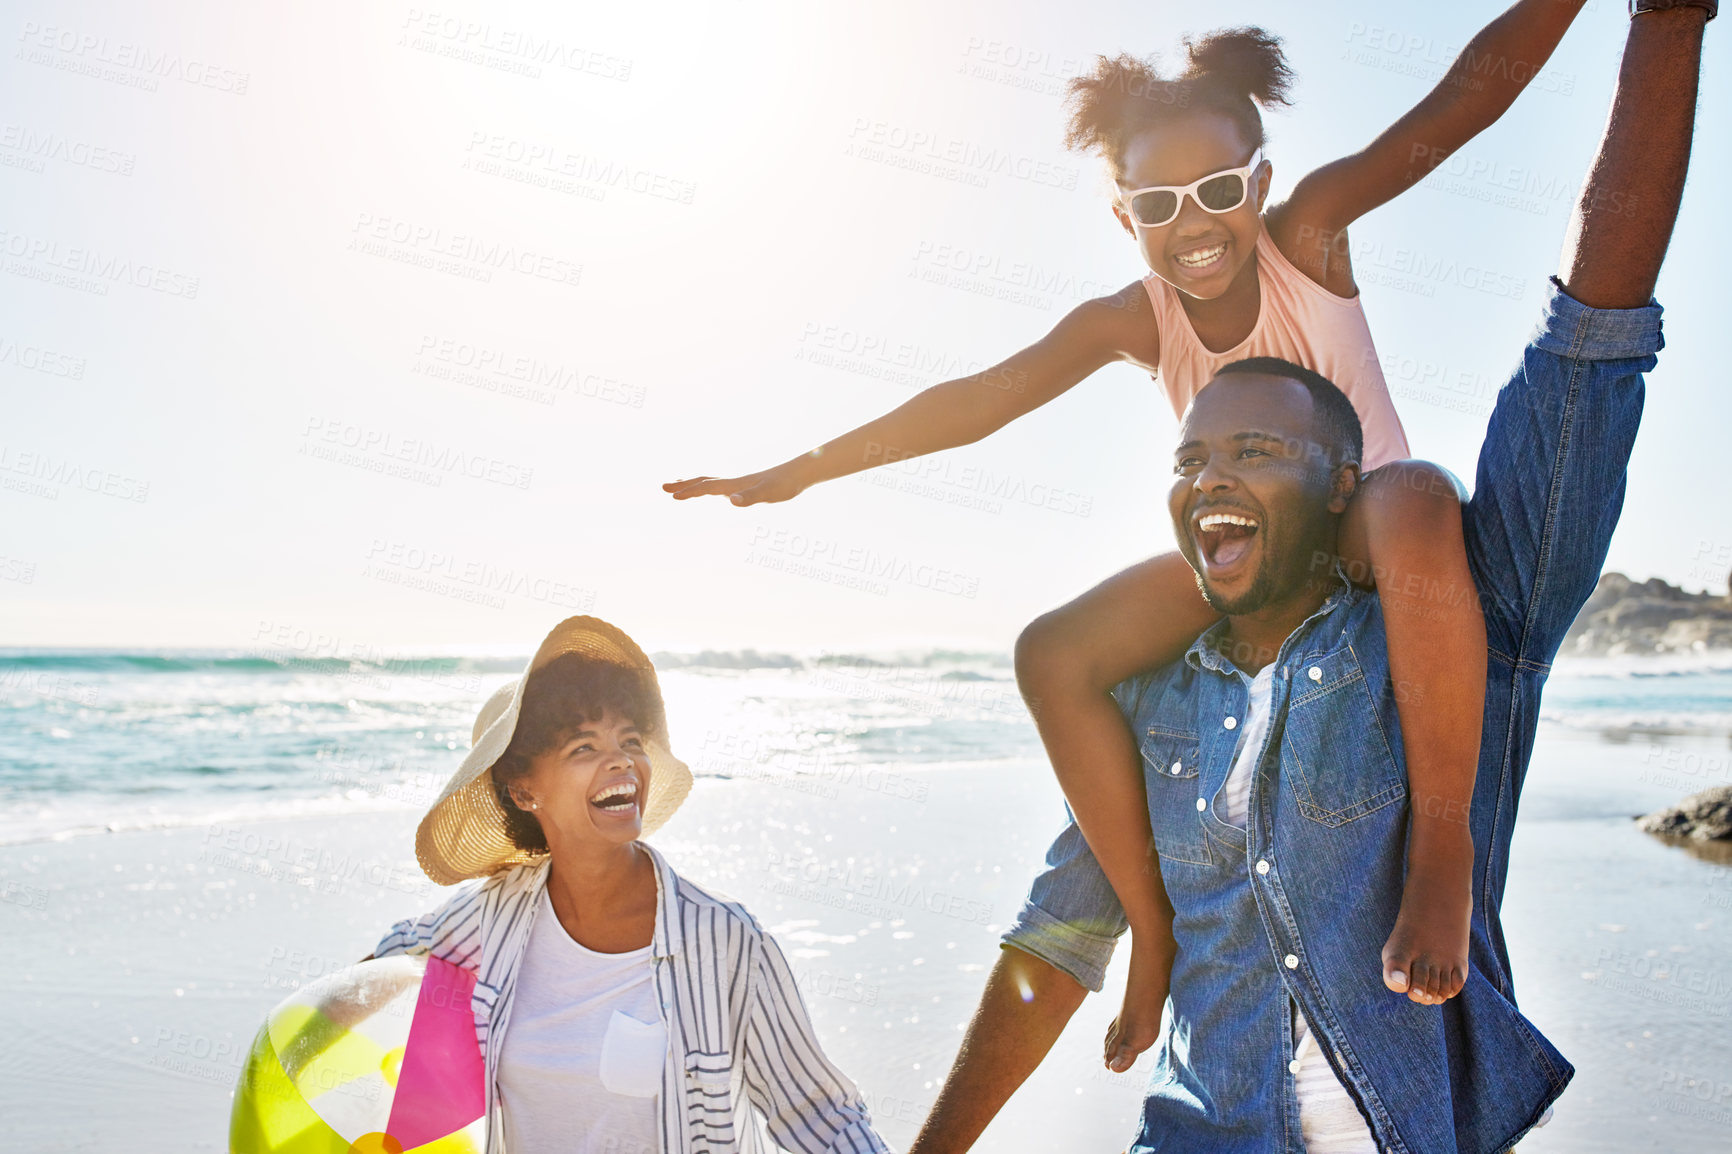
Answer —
391 1064
376 1143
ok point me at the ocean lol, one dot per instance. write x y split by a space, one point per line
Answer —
96 741
187 835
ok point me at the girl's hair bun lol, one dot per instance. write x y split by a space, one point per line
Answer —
1243 62
1231 72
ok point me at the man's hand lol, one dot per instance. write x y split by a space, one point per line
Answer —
1022 1012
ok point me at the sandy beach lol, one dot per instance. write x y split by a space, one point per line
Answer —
146 960
348 348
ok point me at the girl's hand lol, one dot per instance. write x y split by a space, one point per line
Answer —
777 484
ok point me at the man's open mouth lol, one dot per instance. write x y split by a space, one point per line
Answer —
618 798
1224 539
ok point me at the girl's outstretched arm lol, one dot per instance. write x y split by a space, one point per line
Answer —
962 411
1479 87
1066 661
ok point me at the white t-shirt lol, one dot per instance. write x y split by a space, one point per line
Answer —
581 1066
1328 1118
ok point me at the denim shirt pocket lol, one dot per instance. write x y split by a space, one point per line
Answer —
1172 760
1336 754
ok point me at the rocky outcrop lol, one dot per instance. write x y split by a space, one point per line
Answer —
1700 825
1705 816
1648 617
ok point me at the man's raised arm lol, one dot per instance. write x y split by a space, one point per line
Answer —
1624 216
1551 477
1023 1011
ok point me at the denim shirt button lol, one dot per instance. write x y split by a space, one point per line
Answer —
1176 767
1201 805
1293 1066
1314 673
1231 723
1292 961
1262 867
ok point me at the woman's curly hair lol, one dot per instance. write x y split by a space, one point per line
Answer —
560 697
1231 72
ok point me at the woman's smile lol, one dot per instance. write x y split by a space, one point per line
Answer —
618 800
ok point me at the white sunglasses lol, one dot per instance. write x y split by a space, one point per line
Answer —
1218 192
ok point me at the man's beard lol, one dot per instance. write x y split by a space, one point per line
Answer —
1260 593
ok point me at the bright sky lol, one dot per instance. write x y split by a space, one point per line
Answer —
277 281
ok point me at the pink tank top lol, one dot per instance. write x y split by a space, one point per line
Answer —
1301 321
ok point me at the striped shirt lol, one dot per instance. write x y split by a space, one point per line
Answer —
742 1056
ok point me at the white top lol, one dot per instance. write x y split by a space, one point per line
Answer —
1235 796
1328 1117
581 1066
742 1054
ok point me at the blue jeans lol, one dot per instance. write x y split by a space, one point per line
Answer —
1289 914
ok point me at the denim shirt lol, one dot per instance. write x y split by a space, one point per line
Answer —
1292 911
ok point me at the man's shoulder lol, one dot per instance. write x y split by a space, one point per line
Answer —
1155 689
1353 617
1354 622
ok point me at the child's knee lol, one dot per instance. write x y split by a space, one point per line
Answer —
1410 534
1040 647
1416 490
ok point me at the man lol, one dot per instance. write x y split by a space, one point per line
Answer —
1276 789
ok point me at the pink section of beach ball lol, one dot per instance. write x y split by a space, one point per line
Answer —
440 1088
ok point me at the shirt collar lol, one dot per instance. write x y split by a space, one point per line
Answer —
669 937
1205 652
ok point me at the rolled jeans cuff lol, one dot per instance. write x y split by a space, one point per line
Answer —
1061 945
1569 328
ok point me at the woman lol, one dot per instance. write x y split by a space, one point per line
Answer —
619 1007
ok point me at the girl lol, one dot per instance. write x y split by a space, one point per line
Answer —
619 1007
1230 281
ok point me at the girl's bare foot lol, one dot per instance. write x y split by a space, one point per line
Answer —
1426 954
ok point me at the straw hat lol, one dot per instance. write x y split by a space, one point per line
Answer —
463 835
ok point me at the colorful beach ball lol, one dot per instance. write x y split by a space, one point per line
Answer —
379 1058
